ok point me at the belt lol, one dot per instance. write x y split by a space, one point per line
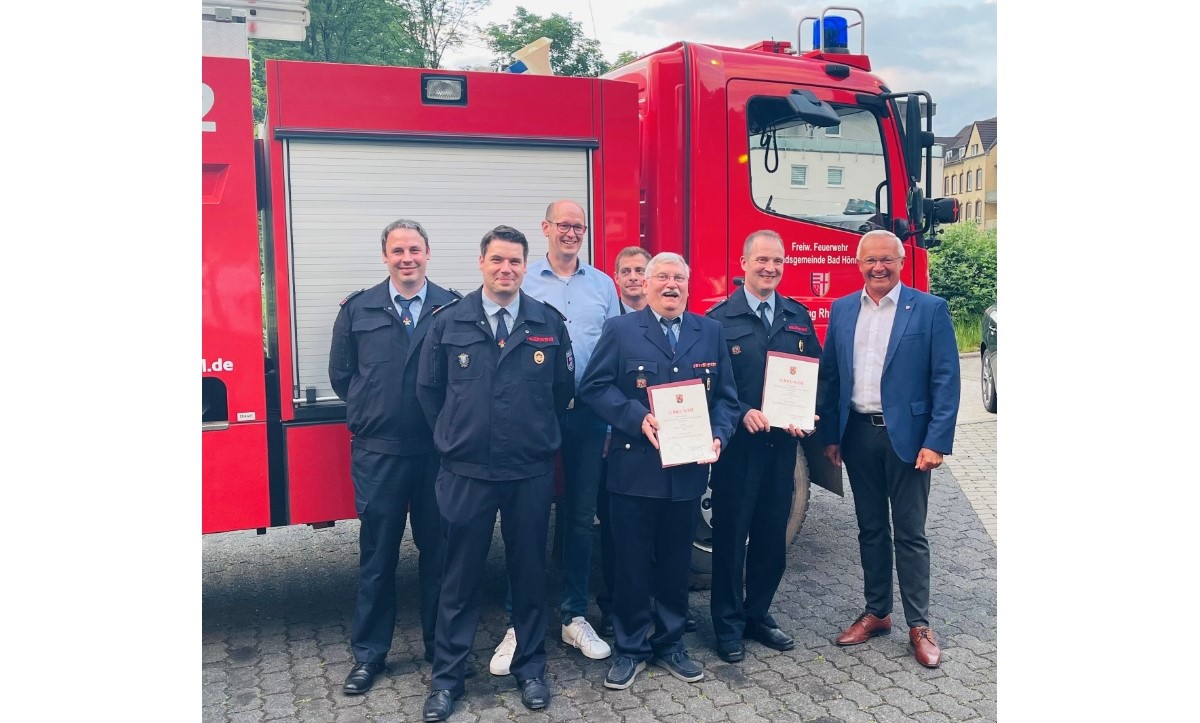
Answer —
876 420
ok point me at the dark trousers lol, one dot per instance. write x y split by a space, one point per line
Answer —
652 539
604 598
384 487
751 495
879 477
469 508
582 447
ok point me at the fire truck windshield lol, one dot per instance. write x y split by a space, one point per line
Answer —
821 175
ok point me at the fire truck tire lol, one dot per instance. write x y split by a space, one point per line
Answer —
701 575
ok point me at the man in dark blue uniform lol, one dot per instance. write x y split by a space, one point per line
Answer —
373 367
752 483
495 373
654 510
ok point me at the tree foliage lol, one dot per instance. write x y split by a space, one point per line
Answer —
434 26
571 53
962 269
625 57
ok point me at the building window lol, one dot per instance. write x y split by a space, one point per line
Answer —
799 175
834 176
967 212
953 185
978 212
975 149
979 179
969 181
946 191
961 182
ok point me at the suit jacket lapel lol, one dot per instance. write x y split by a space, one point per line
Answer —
904 309
846 361
688 340
654 331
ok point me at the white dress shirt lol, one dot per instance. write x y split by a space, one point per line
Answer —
871 335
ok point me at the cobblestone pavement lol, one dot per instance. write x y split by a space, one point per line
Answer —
277 611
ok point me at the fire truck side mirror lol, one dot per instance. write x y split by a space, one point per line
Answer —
942 210
811 109
913 137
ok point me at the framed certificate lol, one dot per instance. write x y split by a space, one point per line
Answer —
684 431
790 390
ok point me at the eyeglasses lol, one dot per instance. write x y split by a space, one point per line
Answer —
664 278
578 228
885 260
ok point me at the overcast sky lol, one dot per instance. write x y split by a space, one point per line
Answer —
947 48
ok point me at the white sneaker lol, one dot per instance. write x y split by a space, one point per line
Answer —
580 634
504 653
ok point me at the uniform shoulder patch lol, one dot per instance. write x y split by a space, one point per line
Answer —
716 306
455 293
448 304
351 296
548 304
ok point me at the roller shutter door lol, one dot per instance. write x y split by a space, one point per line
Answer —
341 194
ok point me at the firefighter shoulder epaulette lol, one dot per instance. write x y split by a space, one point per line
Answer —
716 306
351 296
457 298
454 292
564 316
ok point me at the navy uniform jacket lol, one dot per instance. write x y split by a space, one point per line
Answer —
373 367
494 411
792 333
632 347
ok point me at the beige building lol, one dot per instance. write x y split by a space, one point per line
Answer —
969 172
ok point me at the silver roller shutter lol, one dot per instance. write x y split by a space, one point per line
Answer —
342 194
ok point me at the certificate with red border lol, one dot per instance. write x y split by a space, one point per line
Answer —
684 430
790 390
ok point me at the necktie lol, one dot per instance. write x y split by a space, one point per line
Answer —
669 325
762 314
501 328
405 314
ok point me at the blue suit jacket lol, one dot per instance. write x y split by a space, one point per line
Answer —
633 346
920 385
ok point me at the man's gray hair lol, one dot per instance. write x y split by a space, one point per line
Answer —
667 257
880 233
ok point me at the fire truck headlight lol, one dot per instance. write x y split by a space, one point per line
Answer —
444 89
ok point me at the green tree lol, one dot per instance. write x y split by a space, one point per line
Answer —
571 53
625 57
370 32
962 270
434 26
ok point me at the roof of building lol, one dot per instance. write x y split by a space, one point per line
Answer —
987 132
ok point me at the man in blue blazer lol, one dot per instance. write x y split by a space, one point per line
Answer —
654 510
888 400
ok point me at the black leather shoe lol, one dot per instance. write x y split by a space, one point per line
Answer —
440 704
606 627
689 623
622 672
534 694
681 666
771 637
732 651
361 677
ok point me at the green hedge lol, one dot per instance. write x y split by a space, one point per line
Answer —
962 270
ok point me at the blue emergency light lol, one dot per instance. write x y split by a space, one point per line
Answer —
835 35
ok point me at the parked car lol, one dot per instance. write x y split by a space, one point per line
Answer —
987 358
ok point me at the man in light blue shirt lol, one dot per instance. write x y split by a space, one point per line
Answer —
586 296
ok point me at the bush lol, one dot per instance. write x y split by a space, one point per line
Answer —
962 270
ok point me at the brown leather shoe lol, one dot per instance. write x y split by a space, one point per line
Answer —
862 629
925 647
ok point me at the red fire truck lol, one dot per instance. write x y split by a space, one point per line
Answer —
688 149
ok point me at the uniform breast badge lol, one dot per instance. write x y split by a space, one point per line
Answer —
539 356
464 360
800 344
736 349
641 378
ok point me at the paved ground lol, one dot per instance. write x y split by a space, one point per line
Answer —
277 610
